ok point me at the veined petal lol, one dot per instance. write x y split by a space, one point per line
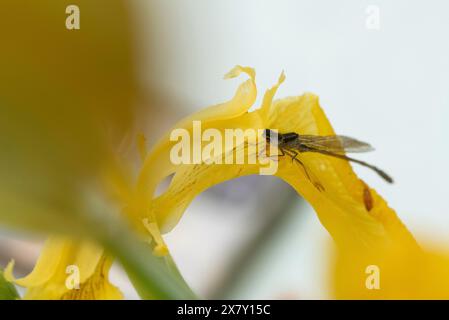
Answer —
158 165
188 182
97 286
61 259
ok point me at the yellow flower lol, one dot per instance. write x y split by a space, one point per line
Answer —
367 232
68 269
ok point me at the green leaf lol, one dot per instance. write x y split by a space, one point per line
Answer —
7 290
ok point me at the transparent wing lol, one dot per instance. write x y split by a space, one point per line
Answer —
334 144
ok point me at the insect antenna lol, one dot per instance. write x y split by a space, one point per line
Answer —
380 172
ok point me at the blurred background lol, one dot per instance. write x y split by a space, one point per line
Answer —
381 69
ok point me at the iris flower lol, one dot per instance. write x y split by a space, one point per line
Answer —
367 232
365 229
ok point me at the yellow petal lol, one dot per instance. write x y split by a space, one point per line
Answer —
268 98
62 259
142 146
396 272
65 101
160 249
45 267
97 286
158 165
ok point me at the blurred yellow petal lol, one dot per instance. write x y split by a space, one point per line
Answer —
160 248
65 260
45 267
142 146
67 99
395 272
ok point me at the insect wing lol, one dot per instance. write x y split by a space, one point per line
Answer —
335 144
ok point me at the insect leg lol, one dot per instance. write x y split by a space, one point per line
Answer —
293 154
281 154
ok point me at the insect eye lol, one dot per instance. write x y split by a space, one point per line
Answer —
267 134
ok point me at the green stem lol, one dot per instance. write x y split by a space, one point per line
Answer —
153 277
7 290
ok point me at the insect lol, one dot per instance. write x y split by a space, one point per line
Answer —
292 144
